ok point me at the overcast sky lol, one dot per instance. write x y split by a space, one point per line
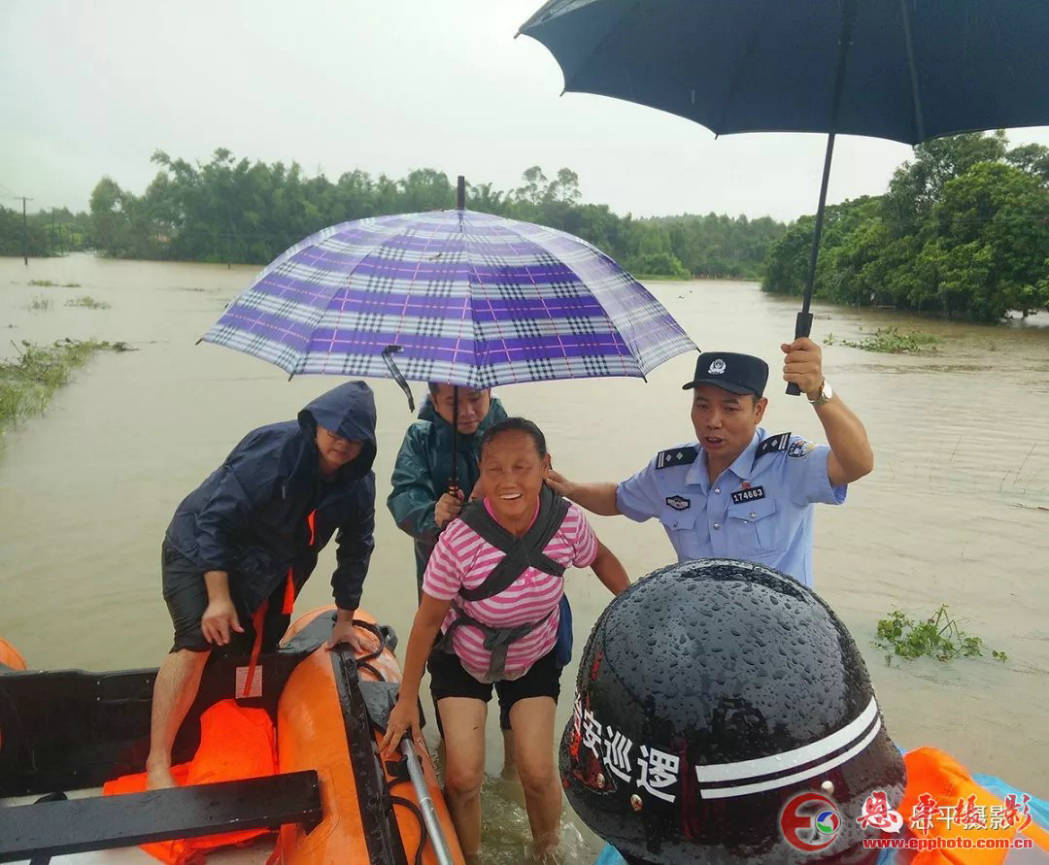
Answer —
93 88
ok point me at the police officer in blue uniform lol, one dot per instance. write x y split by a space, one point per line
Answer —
737 491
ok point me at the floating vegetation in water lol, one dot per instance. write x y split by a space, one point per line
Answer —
890 340
88 302
1030 507
938 637
26 384
39 304
48 282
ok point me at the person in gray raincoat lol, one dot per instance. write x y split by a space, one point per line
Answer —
420 502
241 545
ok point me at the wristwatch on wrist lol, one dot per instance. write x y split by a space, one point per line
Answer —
825 395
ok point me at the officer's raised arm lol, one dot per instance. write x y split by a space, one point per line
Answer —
851 456
598 498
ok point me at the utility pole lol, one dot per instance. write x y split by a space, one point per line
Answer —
25 230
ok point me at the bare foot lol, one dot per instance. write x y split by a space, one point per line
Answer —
159 778
545 854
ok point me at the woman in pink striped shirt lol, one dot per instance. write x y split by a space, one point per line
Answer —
492 590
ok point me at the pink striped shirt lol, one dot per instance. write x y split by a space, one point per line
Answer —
463 558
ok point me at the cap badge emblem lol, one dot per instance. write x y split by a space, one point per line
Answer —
717 367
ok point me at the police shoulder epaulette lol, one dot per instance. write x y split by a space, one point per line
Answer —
682 456
772 444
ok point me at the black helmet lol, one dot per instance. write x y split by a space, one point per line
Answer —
715 701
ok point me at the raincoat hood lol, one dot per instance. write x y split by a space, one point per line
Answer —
348 411
428 412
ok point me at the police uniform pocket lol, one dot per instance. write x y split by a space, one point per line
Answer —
752 525
678 521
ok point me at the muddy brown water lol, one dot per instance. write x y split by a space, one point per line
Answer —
957 510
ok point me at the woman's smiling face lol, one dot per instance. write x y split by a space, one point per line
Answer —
512 473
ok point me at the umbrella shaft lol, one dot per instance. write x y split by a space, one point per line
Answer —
803 323
818 229
454 480
848 19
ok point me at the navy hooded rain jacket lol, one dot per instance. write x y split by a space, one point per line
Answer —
250 517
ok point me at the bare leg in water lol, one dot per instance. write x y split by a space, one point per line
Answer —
173 693
509 763
463 721
533 722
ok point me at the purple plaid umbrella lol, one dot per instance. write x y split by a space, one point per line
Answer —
465 298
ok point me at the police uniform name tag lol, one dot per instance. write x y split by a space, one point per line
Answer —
678 503
748 495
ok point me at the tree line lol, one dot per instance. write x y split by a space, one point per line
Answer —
962 232
44 233
236 210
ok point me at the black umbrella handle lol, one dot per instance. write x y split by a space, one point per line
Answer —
396 374
802 327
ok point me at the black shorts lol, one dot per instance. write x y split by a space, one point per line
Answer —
187 598
449 679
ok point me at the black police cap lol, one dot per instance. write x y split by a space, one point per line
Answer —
736 373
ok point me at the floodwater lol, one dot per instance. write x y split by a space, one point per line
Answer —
956 512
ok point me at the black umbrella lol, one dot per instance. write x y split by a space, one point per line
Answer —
906 70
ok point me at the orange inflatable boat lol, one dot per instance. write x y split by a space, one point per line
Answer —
329 797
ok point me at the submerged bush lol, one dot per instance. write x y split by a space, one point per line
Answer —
48 282
938 637
26 384
891 341
88 302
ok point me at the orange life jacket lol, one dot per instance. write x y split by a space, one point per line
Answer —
235 743
941 776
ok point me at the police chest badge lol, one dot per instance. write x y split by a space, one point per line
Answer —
678 503
748 494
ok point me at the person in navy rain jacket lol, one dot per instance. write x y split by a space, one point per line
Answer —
241 545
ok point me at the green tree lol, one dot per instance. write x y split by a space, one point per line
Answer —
1032 158
916 186
962 231
230 209
996 218
11 234
109 222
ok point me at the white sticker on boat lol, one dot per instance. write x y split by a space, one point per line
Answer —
256 683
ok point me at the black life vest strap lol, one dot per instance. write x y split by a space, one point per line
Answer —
496 640
520 553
